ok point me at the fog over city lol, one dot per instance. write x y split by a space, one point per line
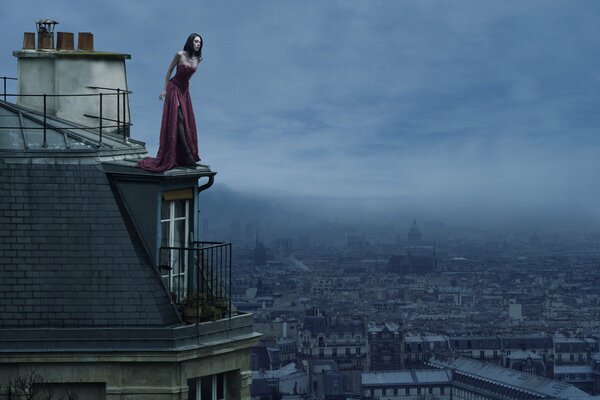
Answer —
398 212
485 112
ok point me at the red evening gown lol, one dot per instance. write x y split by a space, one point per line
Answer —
171 152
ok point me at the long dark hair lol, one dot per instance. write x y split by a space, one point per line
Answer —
189 46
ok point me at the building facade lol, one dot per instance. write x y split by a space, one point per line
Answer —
386 345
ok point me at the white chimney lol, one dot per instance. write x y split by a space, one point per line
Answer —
65 71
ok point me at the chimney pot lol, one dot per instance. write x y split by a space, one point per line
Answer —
45 30
85 41
45 41
65 41
29 41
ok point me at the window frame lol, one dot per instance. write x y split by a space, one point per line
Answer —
176 277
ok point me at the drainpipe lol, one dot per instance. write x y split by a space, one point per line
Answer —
211 180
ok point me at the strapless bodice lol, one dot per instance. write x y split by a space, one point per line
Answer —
182 76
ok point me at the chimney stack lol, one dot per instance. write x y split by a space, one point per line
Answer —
68 70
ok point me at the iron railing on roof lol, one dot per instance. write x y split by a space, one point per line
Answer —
199 276
122 121
4 79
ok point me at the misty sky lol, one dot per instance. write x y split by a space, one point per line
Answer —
458 105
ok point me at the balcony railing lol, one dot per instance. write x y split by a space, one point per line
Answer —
198 275
121 122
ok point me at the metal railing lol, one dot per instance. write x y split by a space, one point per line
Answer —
123 120
4 79
198 276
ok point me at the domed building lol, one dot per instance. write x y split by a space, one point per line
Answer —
414 233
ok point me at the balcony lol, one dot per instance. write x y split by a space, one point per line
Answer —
198 277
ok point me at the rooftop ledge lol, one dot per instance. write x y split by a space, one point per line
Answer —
128 167
102 340
103 55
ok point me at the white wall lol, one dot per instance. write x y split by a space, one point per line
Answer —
67 72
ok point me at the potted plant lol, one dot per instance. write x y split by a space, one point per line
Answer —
214 310
192 308
223 307
209 313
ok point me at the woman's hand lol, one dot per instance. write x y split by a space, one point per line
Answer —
162 95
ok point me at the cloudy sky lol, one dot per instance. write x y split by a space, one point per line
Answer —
455 105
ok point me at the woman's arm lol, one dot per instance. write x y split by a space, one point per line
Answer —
169 72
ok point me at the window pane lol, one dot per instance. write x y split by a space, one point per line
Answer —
179 208
181 282
177 261
173 234
178 290
206 387
179 233
164 233
192 383
220 387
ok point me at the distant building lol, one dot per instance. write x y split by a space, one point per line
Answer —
326 380
260 253
288 380
420 348
283 248
568 351
285 328
515 311
474 379
479 347
419 384
414 233
582 376
416 260
526 361
386 346
342 340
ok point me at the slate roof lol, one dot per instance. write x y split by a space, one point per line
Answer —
285 371
572 369
63 137
527 342
474 342
523 355
389 326
68 256
320 325
315 324
398 378
573 345
509 377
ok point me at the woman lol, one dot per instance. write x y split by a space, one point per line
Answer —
178 139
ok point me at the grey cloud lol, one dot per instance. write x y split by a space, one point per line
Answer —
446 105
